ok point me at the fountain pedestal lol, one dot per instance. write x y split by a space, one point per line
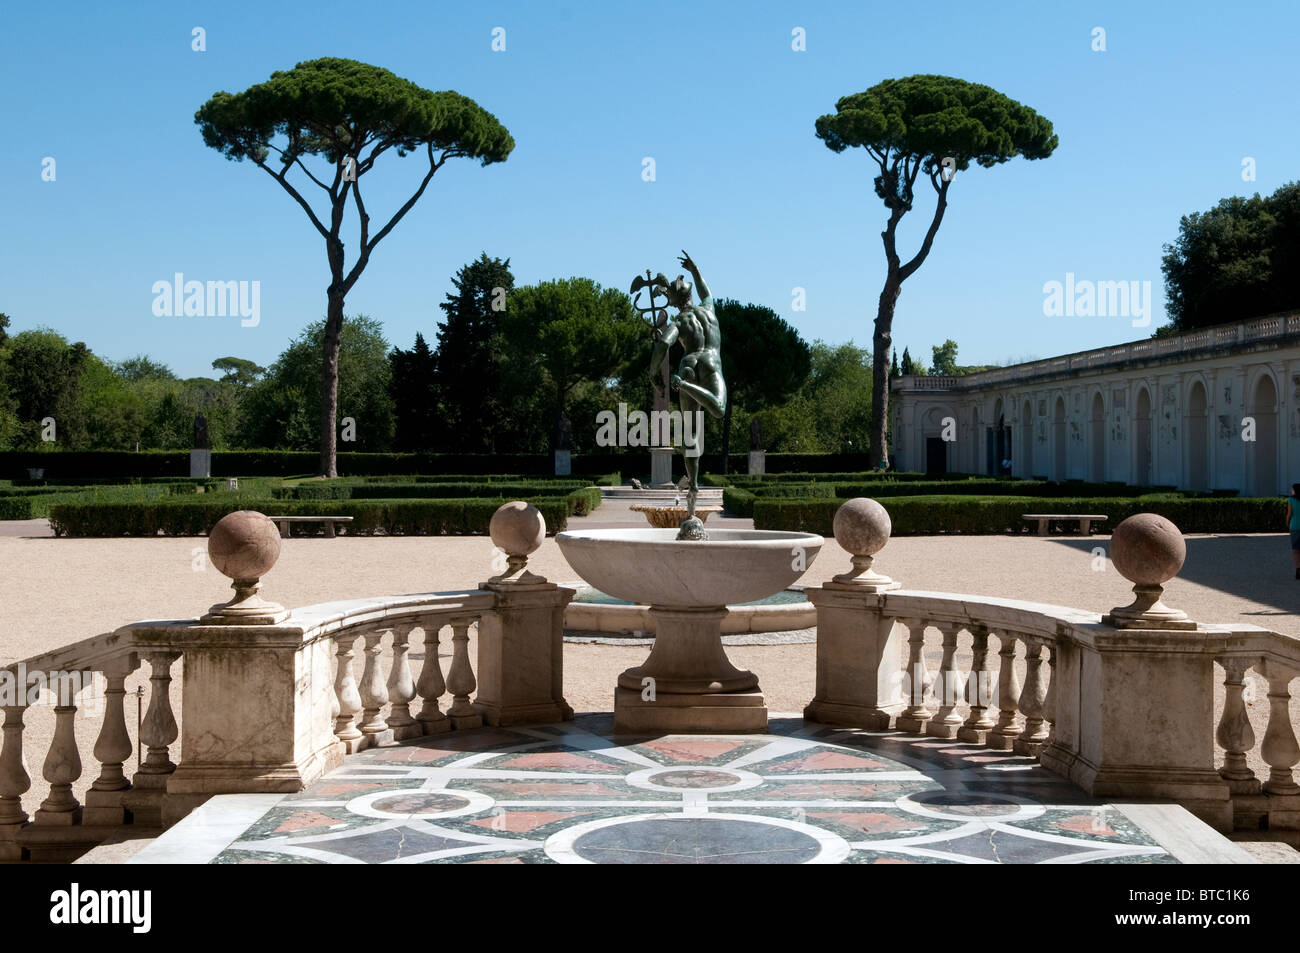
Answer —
688 684
688 681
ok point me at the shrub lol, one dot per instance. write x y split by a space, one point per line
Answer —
738 502
931 515
194 516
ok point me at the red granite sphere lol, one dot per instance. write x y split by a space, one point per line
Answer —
1147 549
517 528
244 545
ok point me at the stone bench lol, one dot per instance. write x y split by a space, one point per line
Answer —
1085 521
329 521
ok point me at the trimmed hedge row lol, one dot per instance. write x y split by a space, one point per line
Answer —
995 515
334 490
808 476
991 486
38 505
113 464
195 517
66 464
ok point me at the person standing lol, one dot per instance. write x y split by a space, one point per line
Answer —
1293 525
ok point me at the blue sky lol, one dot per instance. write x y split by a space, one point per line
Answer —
1154 127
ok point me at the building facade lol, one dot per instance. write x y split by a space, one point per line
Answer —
1215 409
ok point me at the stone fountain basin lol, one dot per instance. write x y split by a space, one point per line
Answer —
585 615
652 567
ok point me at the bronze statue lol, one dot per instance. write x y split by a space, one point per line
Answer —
200 432
698 382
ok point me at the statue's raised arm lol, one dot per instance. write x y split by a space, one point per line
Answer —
706 297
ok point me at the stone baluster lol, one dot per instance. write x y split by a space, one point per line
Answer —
1032 701
946 721
431 686
345 692
63 761
460 678
157 731
374 693
1234 734
159 728
1049 700
401 687
14 779
1004 733
919 680
1279 749
113 748
979 692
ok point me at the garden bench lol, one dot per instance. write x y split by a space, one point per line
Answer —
1085 521
329 521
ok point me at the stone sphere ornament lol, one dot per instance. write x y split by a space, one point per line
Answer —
517 529
1148 550
862 528
245 546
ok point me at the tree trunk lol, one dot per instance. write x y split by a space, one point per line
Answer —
329 391
882 342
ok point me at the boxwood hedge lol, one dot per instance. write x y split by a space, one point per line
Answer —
992 515
410 517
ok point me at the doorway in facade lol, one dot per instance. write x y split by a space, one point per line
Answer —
1261 455
1058 440
1097 439
936 456
1142 440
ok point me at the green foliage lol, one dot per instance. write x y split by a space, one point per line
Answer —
142 368
560 335
282 411
238 371
831 411
764 361
944 361
334 108
1236 261
976 515
929 118
471 416
415 397
195 516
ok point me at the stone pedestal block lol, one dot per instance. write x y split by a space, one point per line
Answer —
859 656
521 655
661 466
256 715
201 463
681 712
563 463
757 462
1131 714
688 684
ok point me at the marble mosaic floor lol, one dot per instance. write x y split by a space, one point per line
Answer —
570 794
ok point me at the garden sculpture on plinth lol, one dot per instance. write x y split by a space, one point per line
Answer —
698 382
